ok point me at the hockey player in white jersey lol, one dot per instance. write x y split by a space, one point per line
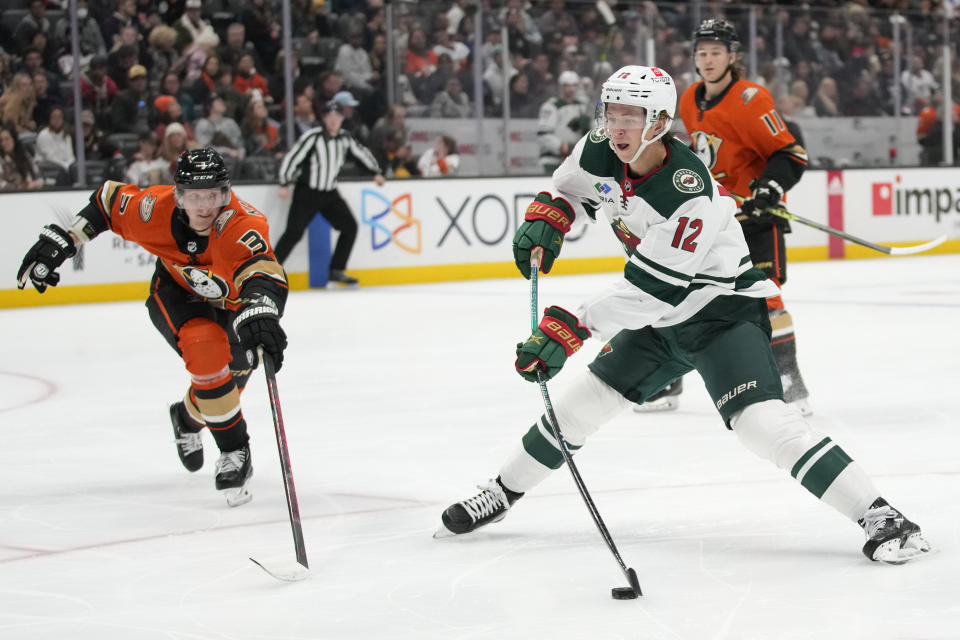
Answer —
690 298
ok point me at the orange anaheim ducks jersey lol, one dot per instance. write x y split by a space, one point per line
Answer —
214 267
737 135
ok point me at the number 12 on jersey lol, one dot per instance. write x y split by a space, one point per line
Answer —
689 228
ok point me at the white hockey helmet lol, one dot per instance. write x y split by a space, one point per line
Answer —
650 88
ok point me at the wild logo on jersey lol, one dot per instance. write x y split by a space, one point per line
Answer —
707 147
630 242
204 282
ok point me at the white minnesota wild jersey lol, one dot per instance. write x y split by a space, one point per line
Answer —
676 224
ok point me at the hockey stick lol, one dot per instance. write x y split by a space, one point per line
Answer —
611 20
554 424
295 573
890 251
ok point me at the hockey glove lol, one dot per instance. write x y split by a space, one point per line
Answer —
546 221
766 195
45 257
257 324
557 338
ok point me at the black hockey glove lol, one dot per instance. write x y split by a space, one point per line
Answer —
45 257
766 195
546 221
257 324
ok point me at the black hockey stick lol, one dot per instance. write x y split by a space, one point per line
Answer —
554 424
293 509
780 212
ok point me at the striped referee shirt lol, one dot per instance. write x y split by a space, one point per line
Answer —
318 157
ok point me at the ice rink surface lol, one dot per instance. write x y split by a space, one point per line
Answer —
397 402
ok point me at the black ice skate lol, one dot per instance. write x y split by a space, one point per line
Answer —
233 470
189 444
490 505
337 276
891 537
667 399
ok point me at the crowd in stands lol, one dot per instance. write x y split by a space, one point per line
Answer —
161 76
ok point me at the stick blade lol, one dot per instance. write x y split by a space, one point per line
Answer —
920 248
634 581
606 13
288 574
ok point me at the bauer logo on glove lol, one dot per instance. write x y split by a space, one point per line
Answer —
546 221
558 337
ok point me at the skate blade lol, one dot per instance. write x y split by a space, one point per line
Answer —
669 403
442 532
237 496
896 552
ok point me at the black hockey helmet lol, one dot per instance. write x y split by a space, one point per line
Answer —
717 30
201 169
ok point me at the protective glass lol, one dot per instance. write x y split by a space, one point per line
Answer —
202 198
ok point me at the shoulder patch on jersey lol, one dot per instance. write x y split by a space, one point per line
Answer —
146 207
748 94
687 181
598 158
223 219
599 134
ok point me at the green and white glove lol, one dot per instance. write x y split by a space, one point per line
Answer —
558 337
546 221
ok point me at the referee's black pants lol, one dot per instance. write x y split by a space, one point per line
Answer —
307 203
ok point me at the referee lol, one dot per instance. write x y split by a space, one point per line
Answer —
318 156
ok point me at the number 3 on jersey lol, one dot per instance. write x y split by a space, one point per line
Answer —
686 235
254 242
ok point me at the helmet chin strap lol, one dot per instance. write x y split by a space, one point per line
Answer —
644 143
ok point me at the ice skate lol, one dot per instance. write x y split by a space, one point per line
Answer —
891 538
667 399
490 505
337 278
189 443
234 469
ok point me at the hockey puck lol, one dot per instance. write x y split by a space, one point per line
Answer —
623 593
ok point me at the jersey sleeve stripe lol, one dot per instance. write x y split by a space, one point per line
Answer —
259 266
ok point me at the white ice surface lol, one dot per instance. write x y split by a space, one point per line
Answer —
397 402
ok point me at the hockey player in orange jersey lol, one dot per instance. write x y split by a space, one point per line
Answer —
216 296
737 132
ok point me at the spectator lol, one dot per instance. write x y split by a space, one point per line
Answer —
421 61
119 63
437 81
148 167
930 131
46 99
33 64
170 85
18 171
440 160
443 43
246 79
175 142
91 39
168 111
540 76
862 100
825 103
352 123
801 96
388 127
124 16
522 31
259 133
97 89
354 66
399 159
522 104
17 104
452 102
263 30
304 117
34 22
493 75
161 53
918 83
94 146
219 130
55 144
562 121
236 45
378 61
205 82
234 100
130 110
191 27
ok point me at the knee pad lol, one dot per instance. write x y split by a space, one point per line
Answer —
585 405
775 432
205 349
